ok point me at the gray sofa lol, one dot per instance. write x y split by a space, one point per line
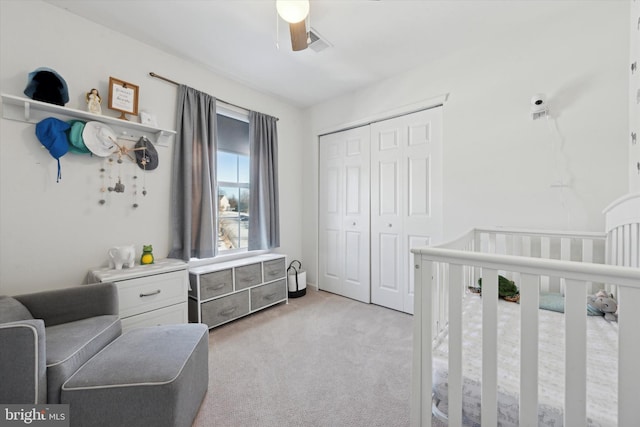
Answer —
45 337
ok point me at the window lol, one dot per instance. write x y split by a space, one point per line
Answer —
233 181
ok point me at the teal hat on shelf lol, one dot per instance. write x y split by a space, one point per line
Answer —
74 134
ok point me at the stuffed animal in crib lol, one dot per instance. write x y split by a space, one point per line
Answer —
604 304
507 289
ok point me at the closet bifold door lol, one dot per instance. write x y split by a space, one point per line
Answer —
406 201
343 214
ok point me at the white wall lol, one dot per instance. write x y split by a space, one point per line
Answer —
52 233
498 162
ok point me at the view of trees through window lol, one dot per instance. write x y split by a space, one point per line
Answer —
233 190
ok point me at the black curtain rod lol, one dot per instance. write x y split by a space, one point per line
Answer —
157 76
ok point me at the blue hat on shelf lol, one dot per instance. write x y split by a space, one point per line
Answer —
46 85
51 133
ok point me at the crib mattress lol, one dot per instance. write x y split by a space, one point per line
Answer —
602 372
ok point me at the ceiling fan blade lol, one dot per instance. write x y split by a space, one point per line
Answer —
298 35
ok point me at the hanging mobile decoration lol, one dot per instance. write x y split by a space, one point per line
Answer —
110 163
147 159
119 187
103 188
135 191
103 142
144 176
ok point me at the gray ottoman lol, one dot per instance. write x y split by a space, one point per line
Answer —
153 376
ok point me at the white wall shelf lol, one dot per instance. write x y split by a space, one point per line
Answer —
30 111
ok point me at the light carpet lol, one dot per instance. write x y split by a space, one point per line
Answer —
321 360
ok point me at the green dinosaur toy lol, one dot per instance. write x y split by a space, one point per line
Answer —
506 288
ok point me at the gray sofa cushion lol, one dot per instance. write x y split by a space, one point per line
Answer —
70 345
23 376
12 310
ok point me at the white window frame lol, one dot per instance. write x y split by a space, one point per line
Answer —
241 115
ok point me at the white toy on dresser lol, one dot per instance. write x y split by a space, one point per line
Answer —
120 256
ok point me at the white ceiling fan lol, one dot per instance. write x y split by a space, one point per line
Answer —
295 12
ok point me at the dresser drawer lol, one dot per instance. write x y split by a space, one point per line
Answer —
152 292
248 275
224 309
215 283
274 269
164 316
268 294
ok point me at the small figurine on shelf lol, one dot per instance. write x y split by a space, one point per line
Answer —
147 255
93 101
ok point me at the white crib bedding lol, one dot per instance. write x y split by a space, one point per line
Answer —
602 372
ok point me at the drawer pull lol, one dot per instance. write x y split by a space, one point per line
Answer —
228 311
216 287
156 292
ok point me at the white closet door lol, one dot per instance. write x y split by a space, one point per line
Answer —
406 201
344 214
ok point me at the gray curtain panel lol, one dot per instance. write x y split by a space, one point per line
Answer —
194 186
264 215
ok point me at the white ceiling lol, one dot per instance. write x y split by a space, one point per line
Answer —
372 40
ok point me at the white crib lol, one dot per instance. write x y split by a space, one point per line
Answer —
573 264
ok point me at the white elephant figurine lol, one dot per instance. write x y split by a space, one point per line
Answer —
122 256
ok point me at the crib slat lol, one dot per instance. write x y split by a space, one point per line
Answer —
629 354
455 345
509 244
492 243
612 247
619 246
444 309
587 250
565 255
526 246
626 247
489 411
575 410
545 253
517 251
529 302
565 249
477 247
421 380
587 256
635 245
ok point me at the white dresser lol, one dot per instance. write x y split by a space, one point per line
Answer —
153 294
228 290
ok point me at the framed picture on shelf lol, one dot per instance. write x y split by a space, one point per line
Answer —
123 97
